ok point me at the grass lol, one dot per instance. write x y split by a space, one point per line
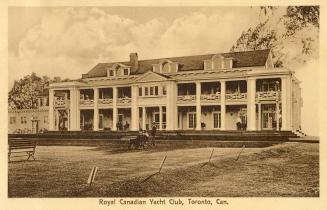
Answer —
290 169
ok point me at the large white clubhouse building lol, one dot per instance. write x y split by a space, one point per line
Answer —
203 92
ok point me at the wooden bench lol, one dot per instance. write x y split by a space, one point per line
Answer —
19 146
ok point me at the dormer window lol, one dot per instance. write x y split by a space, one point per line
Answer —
126 71
111 73
218 62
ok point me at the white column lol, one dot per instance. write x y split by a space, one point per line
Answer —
198 105
143 117
259 117
286 103
222 105
114 108
51 110
251 104
160 117
171 107
74 109
134 110
96 110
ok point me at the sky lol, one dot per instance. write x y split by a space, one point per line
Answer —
69 41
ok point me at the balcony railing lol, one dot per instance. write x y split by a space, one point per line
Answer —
236 96
87 102
125 100
157 125
210 97
186 98
267 95
60 102
105 101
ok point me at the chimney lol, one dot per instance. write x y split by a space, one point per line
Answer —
133 60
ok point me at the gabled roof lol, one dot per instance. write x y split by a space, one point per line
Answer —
188 63
151 76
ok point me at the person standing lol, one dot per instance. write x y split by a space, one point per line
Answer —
239 123
153 134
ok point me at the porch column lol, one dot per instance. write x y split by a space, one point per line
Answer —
143 117
259 117
222 105
198 105
74 109
171 108
114 108
134 110
160 117
286 103
96 110
251 104
51 110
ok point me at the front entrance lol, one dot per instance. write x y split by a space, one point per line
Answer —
269 117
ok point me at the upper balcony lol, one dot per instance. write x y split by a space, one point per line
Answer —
61 102
268 89
61 99
210 92
86 98
124 96
186 93
236 97
105 97
267 96
236 91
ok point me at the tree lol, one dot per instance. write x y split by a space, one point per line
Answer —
294 21
24 92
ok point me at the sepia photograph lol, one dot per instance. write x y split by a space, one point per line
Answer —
163 105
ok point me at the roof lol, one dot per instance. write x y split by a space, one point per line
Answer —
188 63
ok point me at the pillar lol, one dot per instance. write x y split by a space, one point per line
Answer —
259 117
160 117
74 109
198 105
171 107
114 108
51 110
286 103
134 109
251 104
143 117
222 105
96 110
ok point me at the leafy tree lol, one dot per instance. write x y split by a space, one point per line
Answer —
264 36
24 92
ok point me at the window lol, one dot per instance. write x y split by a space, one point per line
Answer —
192 120
23 120
146 91
216 120
12 120
140 91
126 71
156 90
149 91
164 90
111 73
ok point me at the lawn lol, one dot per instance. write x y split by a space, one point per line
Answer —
290 169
